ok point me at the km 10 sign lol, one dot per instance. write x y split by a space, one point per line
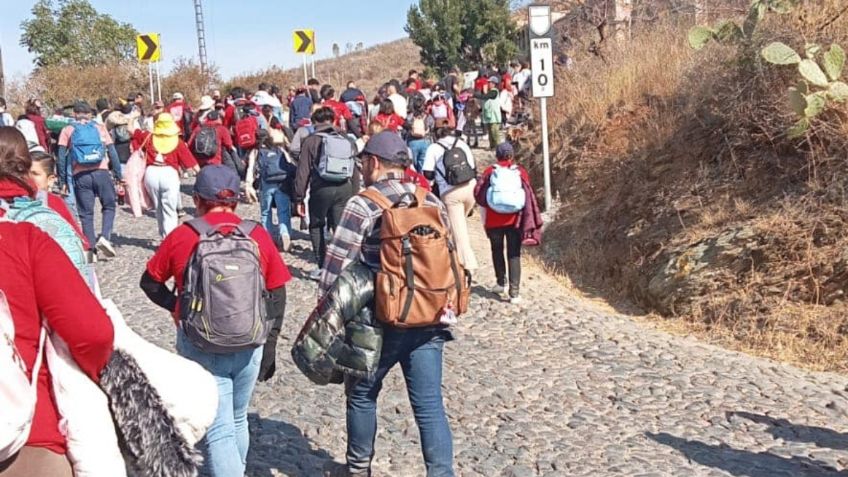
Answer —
542 66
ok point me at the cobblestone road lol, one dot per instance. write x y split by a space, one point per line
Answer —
553 387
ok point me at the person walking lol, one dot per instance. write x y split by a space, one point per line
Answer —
327 167
33 113
419 126
450 163
5 118
418 350
240 354
86 149
43 287
503 185
166 153
492 116
211 134
270 163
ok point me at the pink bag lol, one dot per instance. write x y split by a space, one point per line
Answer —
134 169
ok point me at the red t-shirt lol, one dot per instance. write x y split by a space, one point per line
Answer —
225 141
40 282
495 220
340 109
391 123
179 157
173 254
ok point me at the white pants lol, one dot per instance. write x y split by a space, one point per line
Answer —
163 185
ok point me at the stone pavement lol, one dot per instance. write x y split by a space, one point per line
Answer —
556 386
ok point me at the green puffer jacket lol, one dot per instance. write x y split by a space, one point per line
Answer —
341 336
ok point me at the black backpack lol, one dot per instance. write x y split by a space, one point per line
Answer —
206 142
457 169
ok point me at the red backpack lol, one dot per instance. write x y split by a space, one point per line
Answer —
246 128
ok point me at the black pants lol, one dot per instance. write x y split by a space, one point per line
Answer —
326 204
513 253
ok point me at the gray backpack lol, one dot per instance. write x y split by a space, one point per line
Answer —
222 307
338 158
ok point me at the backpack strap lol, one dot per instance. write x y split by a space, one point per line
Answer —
200 225
378 198
247 227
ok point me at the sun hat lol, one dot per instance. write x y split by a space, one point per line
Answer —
166 133
206 102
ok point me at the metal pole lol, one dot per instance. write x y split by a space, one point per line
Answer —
305 73
150 75
313 66
2 75
158 81
546 153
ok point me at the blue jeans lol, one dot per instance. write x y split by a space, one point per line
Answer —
273 196
419 152
89 186
228 439
419 352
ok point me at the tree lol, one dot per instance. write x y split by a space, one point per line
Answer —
72 32
336 50
464 33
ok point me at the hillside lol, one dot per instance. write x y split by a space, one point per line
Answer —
683 195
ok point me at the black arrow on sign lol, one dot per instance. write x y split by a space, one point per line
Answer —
151 47
305 41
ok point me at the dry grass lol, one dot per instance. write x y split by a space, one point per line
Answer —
657 148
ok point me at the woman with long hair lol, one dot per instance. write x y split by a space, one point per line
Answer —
42 285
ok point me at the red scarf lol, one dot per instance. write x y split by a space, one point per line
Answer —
9 189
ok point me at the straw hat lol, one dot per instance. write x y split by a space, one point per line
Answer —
166 133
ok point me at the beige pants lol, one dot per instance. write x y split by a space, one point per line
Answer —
35 461
459 202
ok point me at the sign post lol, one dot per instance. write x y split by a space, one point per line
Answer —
148 49
304 43
542 68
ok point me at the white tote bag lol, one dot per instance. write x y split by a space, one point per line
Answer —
17 391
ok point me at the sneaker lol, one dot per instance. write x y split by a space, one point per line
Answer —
498 289
316 274
515 300
286 239
105 247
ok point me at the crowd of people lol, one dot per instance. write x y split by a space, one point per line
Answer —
387 183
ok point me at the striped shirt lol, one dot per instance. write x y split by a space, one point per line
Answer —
357 236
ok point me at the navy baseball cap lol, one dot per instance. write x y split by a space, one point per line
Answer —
217 183
504 150
388 146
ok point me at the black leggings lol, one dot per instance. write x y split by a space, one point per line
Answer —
513 253
326 204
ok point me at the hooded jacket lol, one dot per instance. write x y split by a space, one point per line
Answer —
341 336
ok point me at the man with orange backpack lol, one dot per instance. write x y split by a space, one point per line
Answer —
402 232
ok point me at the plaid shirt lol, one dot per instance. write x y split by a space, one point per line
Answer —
357 236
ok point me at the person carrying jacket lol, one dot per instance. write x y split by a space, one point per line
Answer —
42 285
418 350
326 199
216 197
502 228
33 113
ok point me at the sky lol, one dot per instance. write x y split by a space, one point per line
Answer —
241 35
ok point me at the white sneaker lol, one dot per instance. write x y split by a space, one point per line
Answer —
316 274
286 240
498 289
105 247
515 300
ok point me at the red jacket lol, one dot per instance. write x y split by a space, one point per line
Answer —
342 111
41 283
391 123
41 130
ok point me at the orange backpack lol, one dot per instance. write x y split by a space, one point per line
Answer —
421 281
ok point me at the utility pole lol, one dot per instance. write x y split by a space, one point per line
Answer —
2 75
201 38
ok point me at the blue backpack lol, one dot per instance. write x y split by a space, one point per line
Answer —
86 146
506 191
36 212
274 167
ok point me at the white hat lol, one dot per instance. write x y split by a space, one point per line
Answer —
206 102
178 96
